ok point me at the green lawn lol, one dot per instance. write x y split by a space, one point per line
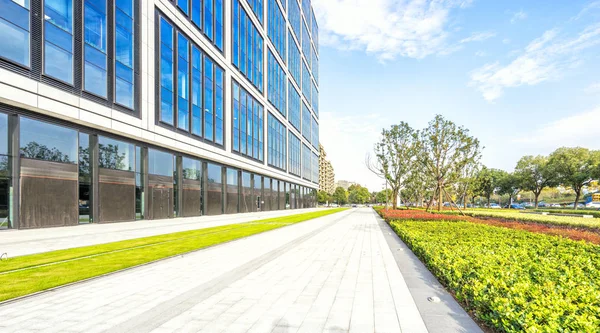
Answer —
24 275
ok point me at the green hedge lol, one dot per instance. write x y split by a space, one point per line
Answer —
512 280
594 213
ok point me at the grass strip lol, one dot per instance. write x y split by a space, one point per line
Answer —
33 273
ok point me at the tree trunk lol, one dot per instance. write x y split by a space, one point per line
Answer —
577 194
488 198
439 197
395 198
431 201
537 195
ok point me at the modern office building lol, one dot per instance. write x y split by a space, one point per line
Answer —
117 110
326 173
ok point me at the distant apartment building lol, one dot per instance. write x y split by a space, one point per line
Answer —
345 184
122 110
326 174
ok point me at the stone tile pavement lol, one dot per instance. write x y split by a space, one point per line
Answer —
332 274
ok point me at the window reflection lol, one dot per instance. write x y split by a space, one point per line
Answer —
44 141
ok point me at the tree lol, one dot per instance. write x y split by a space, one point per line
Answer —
575 167
340 196
486 182
383 196
359 195
394 153
536 173
445 151
39 151
466 185
509 184
322 197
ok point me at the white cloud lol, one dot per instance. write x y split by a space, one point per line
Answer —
576 130
387 28
545 58
593 88
347 139
478 37
518 16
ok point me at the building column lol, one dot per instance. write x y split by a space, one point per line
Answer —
15 170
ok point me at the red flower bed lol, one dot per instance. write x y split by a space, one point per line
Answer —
421 215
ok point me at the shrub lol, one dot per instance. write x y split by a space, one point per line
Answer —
512 280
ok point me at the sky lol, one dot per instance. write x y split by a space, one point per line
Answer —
522 76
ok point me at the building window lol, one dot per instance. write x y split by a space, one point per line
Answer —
247 125
306 82
277 143
247 46
294 17
294 109
306 9
306 162
58 39
95 59
215 189
201 77
257 8
314 28
315 98
294 59
124 53
295 154
115 154
306 121
44 141
160 163
276 79
315 134
183 82
276 27
232 192
4 173
166 72
14 31
315 65
315 168
306 43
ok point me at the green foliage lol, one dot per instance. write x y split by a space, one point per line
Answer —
512 280
383 196
536 173
358 194
575 167
340 196
322 197
509 184
33 273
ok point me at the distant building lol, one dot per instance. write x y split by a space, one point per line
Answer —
326 174
345 184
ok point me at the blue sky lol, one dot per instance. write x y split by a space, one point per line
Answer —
523 76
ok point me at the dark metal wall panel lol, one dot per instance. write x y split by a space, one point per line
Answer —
48 194
232 199
117 195
160 199
191 198
215 199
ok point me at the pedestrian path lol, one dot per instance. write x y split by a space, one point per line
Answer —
21 242
332 274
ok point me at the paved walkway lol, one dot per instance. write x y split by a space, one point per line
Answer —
331 274
22 242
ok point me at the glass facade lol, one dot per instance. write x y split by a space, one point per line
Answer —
294 166
276 29
58 39
314 28
207 16
315 168
257 8
214 204
196 84
15 31
294 59
314 137
48 142
306 82
306 122
276 84
95 48
306 162
115 154
124 53
232 191
306 43
294 17
294 108
277 143
247 46
247 127
315 65
315 99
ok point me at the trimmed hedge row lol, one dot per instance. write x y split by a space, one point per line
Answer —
594 213
512 280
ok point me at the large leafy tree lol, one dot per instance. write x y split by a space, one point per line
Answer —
359 195
340 196
575 167
486 182
445 151
535 174
383 196
322 197
394 154
509 184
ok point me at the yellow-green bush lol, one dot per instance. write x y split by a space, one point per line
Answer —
512 280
